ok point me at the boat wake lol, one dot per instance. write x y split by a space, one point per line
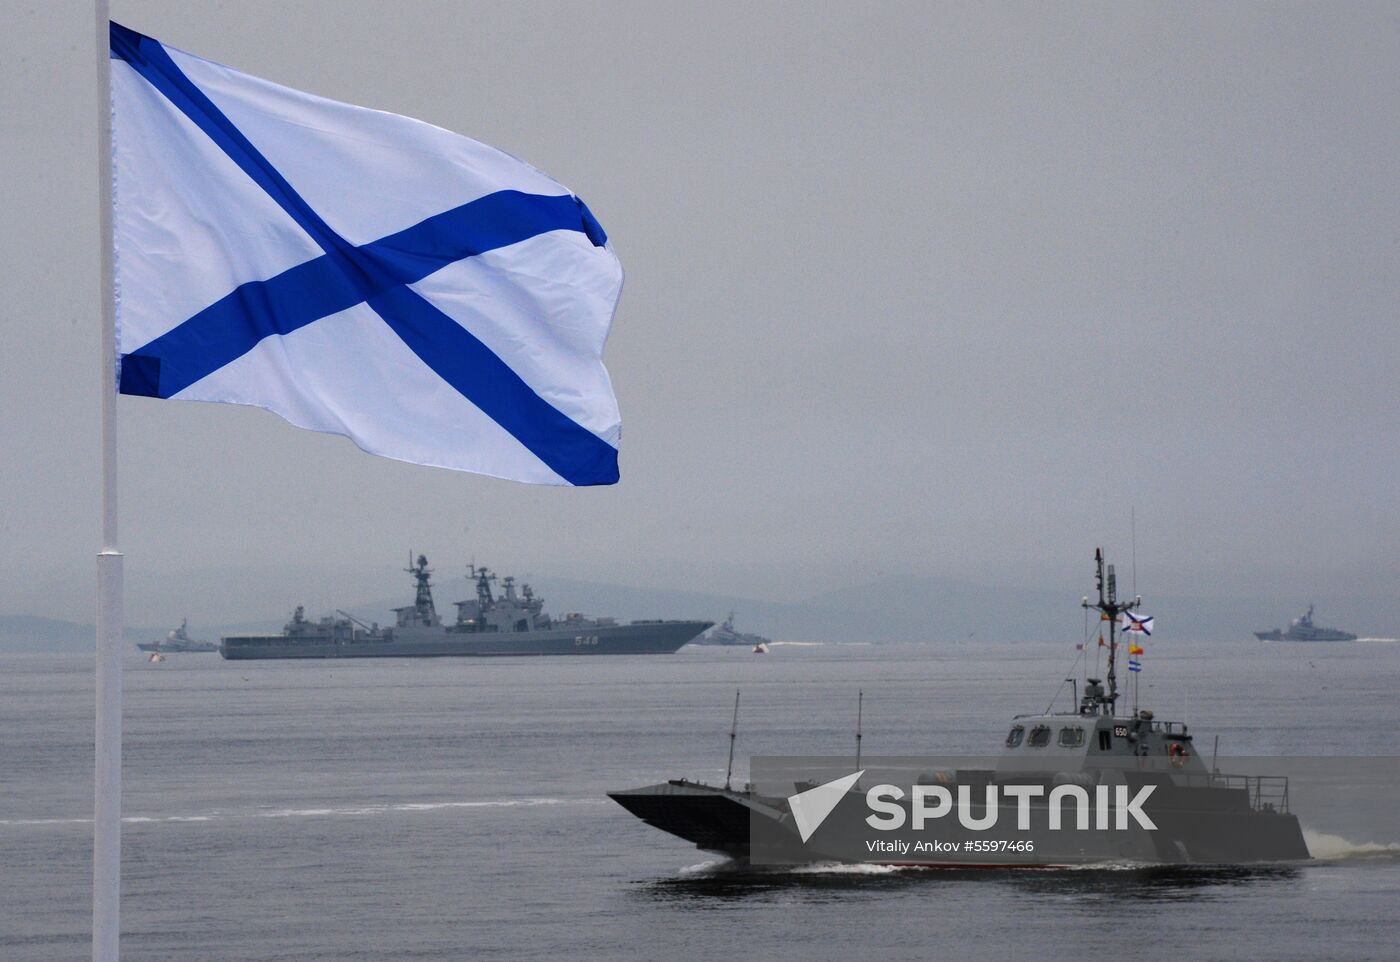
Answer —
721 867
320 812
713 865
848 868
1327 847
412 807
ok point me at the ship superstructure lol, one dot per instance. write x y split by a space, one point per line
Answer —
512 622
726 634
178 640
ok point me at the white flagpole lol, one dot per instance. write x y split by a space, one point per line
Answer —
107 763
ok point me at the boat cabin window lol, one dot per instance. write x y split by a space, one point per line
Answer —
1017 733
1040 736
1105 740
1071 737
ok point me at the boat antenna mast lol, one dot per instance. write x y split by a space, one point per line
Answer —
1110 608
860 707
733 734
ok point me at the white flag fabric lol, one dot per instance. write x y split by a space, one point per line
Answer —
1136 624
427 296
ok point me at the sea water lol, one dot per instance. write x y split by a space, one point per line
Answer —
454 809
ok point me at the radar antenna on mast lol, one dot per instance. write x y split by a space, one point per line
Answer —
423 607
483 578
1110 608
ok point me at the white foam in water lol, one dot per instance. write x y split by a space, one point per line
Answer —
1118 865
699 868
1324 846
849 868
314 812
45 821
408 807
721 864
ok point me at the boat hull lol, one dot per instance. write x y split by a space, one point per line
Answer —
733 641
1277 635
638 638
1200 826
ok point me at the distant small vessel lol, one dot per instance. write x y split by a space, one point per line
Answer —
156 658
178 640
760 649
726 635
1303 629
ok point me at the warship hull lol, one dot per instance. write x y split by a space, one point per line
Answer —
637 638
205 647
1302 628
178 640
1277 635
1194 826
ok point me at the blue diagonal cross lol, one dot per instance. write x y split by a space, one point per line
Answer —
376 274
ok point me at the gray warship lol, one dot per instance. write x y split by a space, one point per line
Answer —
179 639
510 623
724 634
1203 816
1303 629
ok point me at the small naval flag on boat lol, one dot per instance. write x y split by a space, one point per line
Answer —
1135 624
429 297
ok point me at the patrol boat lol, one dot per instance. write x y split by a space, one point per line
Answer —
1303 629
178 639
1201 815
511 623
725 634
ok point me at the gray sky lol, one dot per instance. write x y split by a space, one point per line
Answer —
941 289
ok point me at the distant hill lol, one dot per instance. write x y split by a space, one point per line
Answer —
30 633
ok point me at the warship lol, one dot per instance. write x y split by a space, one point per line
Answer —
1202 816
178 639
1303 629
725 634
512 622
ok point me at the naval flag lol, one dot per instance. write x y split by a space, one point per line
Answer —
1135 624
429 297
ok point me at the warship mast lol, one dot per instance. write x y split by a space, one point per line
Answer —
423 600
483 587
1110 607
